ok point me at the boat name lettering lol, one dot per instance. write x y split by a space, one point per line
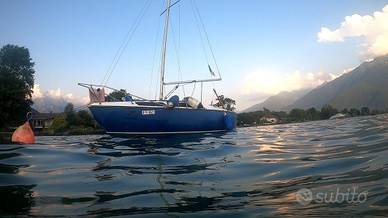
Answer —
148 112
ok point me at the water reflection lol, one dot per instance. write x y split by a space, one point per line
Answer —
16 199
255 171
159 167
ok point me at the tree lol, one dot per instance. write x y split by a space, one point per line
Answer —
71 117
16 84
250 118
327 111
375 112
312 114
227 102
354 112
298 114
69 108
345 111
86 118
116 95
281 115
59 123
364 111
266 111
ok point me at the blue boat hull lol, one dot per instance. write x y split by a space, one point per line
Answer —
121 121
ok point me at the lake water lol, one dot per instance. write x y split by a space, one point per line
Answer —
332 168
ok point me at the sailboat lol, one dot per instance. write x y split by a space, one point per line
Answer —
134 115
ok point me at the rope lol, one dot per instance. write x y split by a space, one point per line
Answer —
200 35
195 84
177 52
153 60
207 38
138 20
29 118
208 41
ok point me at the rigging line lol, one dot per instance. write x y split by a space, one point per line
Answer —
159 74
157 82
153 59
177 51
195 84
170 7
160 63
200 34
207 38
163 59
177 48
125 39
83 107
180 77
141 18
199 30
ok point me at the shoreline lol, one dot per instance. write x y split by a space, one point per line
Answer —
71 132
8 135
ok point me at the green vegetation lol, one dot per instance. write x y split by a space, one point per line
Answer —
300 115
327 111
16 84
74 121
228 103
59 123
116 95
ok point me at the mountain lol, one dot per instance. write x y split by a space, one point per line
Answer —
48 104
279 101
365 86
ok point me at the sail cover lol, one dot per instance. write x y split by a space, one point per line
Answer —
96 95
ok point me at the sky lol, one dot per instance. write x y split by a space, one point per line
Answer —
260 47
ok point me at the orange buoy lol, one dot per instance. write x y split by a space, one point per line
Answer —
24 132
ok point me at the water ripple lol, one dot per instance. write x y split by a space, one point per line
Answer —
255 171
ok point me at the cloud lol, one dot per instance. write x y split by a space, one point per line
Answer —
264 84
37 93
374 29
346 71
56 94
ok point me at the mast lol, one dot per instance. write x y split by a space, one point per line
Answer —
164 51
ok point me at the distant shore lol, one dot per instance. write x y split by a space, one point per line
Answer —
71 132
8 135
